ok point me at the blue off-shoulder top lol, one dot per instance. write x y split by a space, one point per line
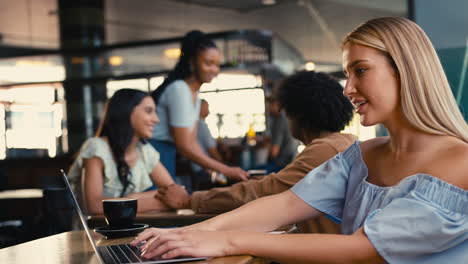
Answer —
422 219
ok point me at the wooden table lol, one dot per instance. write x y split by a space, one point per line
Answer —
159 219
74 247
20 203
21 214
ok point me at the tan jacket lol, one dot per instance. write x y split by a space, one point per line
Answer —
219 200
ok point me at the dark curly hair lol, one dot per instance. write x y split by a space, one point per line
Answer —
315 100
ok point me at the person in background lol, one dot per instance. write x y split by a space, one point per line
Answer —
208 145
400 199
283 147
117 162
317 111
178 106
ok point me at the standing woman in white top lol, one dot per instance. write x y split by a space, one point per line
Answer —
178 106
118 162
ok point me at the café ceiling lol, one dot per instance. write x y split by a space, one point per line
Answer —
397 6
28 27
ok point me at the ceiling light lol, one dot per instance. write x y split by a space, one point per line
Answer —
309 66
77 60
268 2
115 60
173 53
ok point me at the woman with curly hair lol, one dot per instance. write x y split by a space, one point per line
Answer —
316 111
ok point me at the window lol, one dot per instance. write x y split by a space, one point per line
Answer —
31 120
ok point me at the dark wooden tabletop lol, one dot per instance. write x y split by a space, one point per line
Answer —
158 219
74 247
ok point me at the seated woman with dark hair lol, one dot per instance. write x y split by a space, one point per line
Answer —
317 110
118 162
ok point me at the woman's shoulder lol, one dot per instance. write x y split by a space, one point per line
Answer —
94 142
178 85
450 163
176 89
148 151
95 146
146 147
149 157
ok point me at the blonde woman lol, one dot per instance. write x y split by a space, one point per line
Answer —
400 199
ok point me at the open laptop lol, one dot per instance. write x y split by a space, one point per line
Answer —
123 253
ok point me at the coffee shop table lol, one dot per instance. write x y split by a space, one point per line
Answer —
159 219
74 247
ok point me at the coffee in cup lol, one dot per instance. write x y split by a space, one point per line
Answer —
120 212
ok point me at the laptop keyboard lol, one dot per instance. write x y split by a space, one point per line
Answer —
124 253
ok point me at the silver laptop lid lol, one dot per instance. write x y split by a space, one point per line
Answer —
82 217
91 240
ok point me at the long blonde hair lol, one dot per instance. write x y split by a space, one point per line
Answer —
426 98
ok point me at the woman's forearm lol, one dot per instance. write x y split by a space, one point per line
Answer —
147 201
215 154
305 248
150 204
138 195
287 248
262 215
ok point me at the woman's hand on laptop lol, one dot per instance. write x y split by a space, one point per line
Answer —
147 236
184 242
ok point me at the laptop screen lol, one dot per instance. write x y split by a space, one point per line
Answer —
80 214
103 258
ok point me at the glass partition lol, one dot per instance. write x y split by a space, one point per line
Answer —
242 49
32 69
33 101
